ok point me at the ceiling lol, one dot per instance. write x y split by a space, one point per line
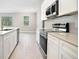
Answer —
19 5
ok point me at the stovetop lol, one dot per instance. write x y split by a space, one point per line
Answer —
51 30
44 32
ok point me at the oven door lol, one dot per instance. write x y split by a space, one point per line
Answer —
43 43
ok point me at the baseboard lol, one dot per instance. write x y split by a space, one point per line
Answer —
42 52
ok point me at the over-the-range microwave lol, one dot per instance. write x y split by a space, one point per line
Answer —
52 10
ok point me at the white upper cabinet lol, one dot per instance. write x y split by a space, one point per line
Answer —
67 6
43 10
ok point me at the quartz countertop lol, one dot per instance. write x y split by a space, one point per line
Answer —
5 32
68 37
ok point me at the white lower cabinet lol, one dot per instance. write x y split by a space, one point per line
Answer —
59 49
13 40
6 47
10 41
68 51
53 47
1 48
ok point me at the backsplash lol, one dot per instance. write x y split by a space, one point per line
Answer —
72 20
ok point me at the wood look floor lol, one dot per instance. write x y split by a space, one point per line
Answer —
27 47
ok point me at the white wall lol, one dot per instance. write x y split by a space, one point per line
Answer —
18 21
39 25
32 22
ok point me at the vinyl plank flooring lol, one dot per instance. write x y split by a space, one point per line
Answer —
27 47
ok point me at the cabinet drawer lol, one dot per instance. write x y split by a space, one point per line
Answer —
53 39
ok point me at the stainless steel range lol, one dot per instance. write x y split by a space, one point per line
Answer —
43 40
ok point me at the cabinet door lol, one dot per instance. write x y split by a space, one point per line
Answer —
13 40
53 48
10 41
67 6
1 48
68 51
43 11
6 48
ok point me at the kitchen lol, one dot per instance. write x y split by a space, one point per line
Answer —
39 29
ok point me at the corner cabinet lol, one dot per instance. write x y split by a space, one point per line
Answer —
59 49
67 6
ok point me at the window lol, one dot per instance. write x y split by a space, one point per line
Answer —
26 20
6 21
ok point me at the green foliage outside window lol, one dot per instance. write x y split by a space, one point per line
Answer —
6 21
26 20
